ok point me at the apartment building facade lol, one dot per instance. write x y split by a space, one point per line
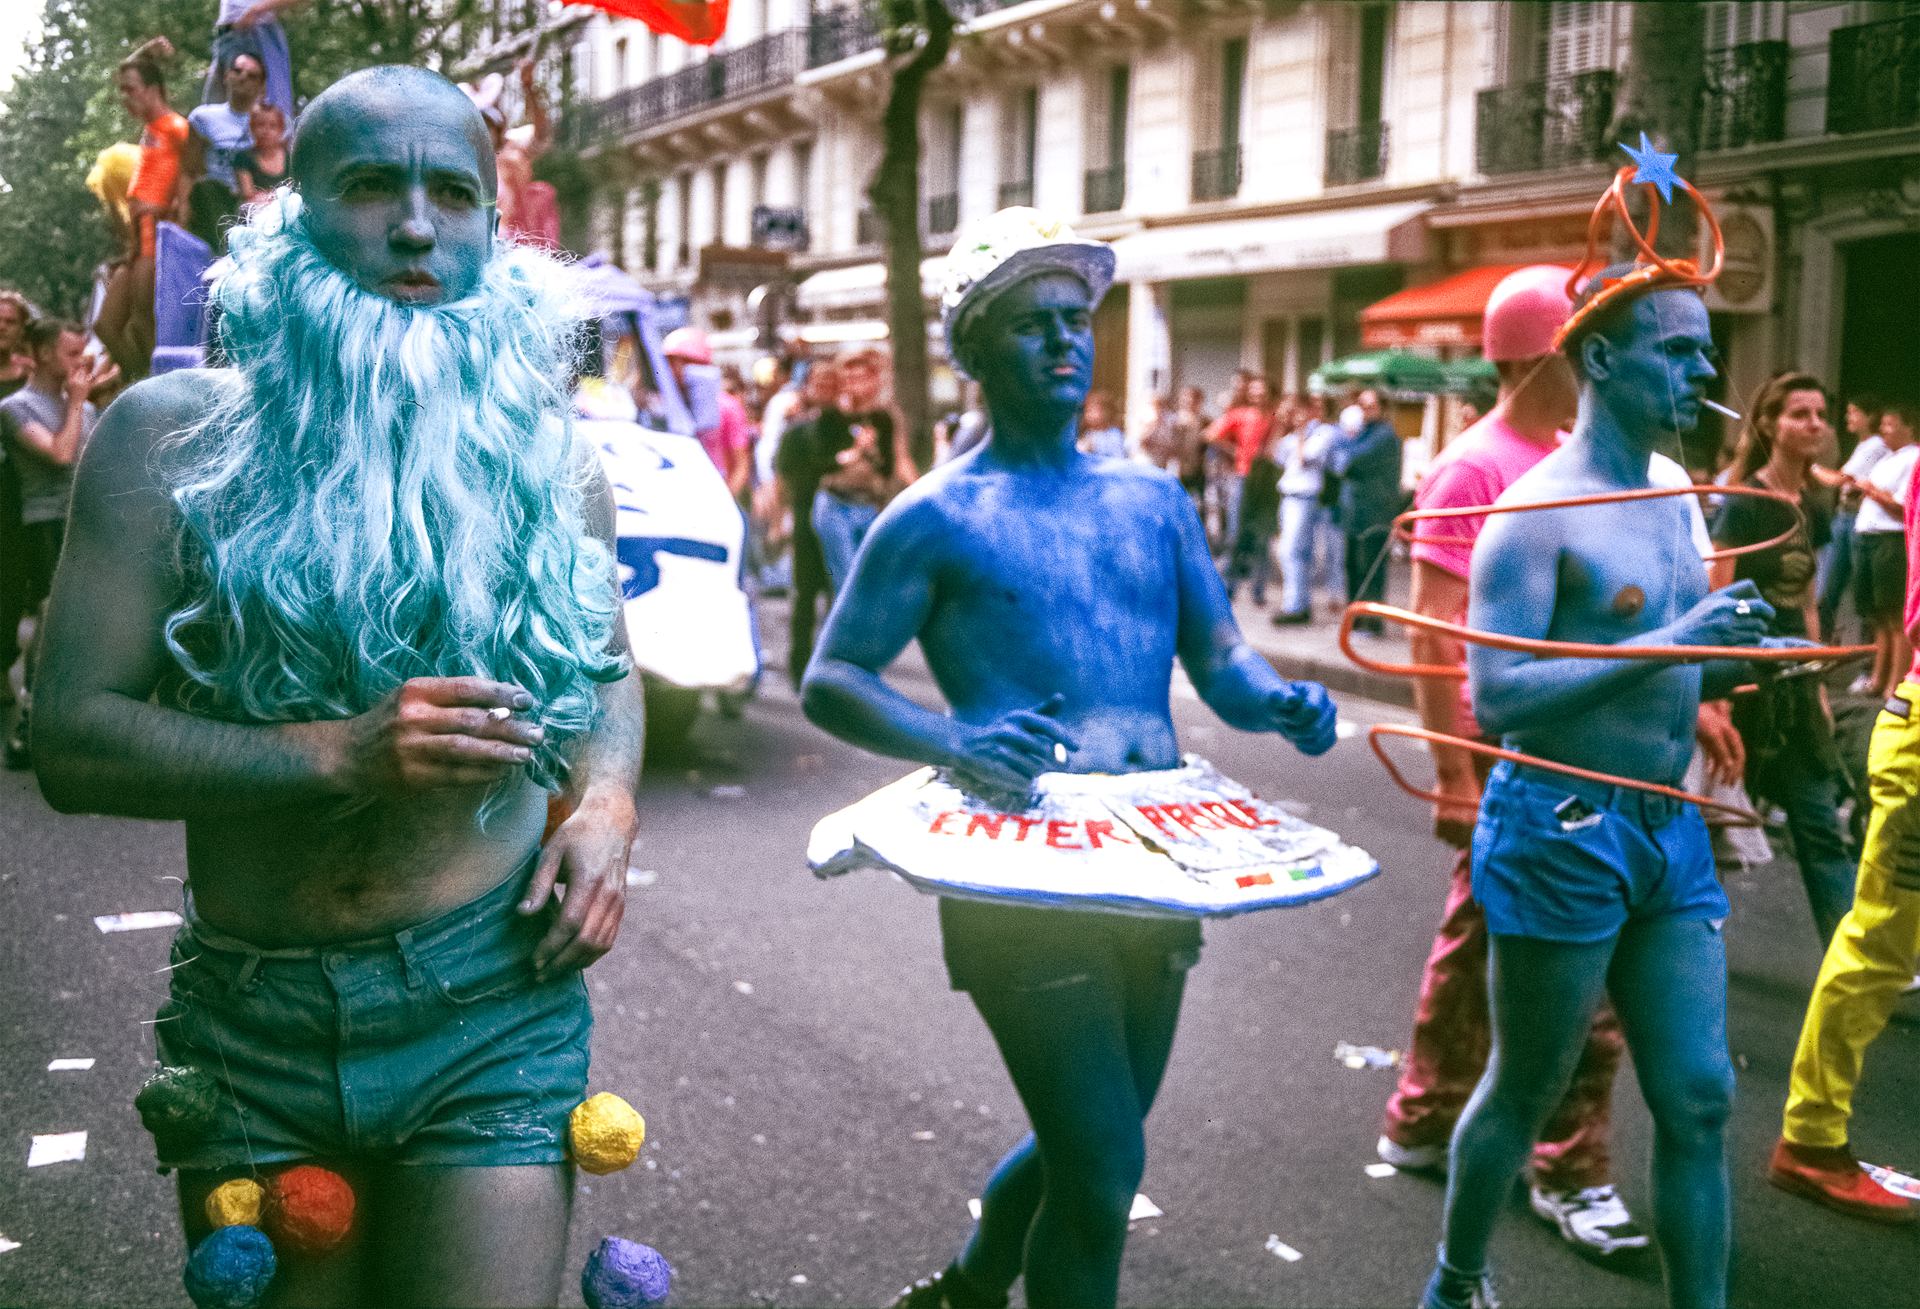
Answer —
1283 183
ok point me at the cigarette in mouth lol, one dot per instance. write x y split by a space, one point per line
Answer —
1719 408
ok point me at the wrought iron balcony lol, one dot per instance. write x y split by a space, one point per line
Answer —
1216 174
1105 190
1743 96
1550 124
1873 76
759 65
1356 154
943 213
1016 193
840 33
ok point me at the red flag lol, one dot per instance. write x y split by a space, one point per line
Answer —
692 21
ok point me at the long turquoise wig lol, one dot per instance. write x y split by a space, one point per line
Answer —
387 492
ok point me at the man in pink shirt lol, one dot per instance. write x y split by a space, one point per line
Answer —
729 442
1571 1183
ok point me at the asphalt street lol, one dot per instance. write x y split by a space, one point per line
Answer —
821 1106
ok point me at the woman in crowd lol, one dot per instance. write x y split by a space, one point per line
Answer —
863 463
125 322
1302 455
1786 728
1100 435
260 169
1190 423
1236 437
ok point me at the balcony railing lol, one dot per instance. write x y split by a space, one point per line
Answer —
943 213
759 65
839 33
1873 76
1216 174
1105 190
1016 193
1743 96
1356 154
1551 124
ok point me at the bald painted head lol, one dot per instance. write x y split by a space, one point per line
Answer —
396 173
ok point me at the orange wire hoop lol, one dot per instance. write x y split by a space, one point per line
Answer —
1658 272
1402 529
1738 817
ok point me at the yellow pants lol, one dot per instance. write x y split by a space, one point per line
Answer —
1877 946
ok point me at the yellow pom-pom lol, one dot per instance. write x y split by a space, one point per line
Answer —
236 1203
607 1133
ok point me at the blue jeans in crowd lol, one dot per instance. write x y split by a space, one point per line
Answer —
1303 524
841 526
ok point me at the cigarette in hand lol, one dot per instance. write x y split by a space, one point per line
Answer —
500 713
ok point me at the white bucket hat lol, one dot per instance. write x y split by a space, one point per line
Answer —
999 250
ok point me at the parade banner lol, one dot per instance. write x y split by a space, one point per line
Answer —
693 22
1182 842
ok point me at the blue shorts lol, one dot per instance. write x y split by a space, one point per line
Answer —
1559 858
433 1045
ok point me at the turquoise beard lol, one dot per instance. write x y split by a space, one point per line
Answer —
388 492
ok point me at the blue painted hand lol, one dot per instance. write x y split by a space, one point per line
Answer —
1304 713
1000 760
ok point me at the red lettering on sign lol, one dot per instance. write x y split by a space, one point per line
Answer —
939 827
1026 825
989 824
1226 816
1098 828
1154 814
1192 817
1254 814
1060 833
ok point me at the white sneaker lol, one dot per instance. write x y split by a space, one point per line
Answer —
1593 1220
1411 1158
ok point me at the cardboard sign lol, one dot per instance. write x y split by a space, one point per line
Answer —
1183 842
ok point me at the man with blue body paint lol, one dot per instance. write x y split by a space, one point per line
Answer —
1592 889
1051 593
348 610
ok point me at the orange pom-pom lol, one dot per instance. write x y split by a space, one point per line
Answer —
309 1209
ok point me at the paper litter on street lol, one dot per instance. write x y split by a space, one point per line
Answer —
1143 1208
642 877
1377 1171
6 1245
1898 1183
57 1148
70 1065
1365 1056
1279 1247
137 922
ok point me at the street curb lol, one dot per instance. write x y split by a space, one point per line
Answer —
1339 676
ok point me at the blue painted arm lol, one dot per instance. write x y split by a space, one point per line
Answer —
1231 678
1515 584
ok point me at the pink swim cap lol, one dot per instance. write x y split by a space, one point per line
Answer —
1524 312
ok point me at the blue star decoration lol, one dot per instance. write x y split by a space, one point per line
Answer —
1653 167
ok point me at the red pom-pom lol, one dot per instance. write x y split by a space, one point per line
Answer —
309 1209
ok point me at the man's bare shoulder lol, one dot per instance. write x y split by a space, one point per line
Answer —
148 413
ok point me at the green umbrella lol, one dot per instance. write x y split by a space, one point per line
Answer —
1395 370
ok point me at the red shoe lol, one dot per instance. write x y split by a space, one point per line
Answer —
1834 1178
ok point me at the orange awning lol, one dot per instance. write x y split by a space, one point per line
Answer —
1446 312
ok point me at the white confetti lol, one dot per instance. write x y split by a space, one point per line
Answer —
138 922
1276 1246
1144 1208
69 1065
642 877
1343 730
1377 1171
6 1245
744 988
727 793
798 1279
57 1148
923 1136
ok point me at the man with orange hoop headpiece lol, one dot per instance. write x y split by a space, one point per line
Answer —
1590 889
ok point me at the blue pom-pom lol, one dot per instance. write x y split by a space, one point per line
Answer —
623 1274
231 1269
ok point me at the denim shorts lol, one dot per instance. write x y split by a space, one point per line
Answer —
1559 858
1002 946
434 1045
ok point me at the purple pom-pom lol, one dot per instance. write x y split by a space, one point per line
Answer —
231 1269
623 1274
